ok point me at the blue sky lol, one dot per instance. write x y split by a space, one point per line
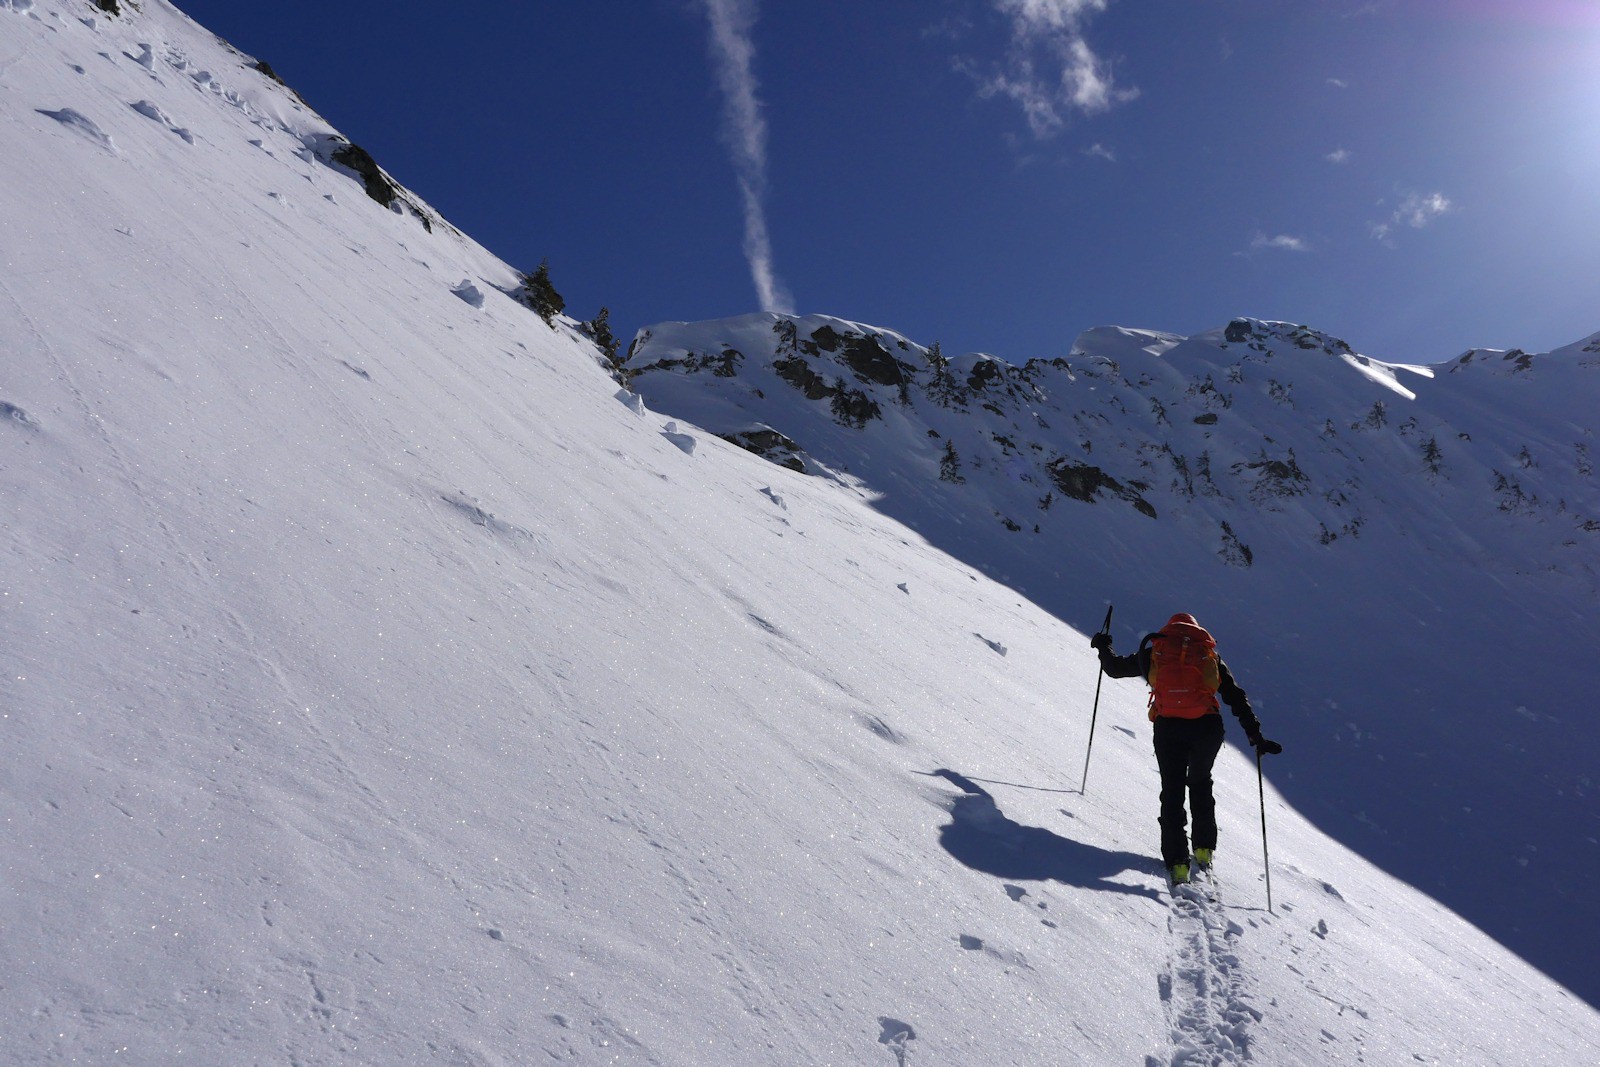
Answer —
1415 176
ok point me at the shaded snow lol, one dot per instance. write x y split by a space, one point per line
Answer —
1387 561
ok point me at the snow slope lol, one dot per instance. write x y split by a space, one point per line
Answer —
377 686
1400 561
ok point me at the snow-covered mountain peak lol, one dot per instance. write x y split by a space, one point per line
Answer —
1263 415
1119 342
1514 362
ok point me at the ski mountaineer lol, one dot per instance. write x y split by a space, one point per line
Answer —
1186 676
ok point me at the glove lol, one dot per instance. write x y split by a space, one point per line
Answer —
1265 747
1100 642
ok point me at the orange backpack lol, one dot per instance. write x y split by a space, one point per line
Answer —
1184 671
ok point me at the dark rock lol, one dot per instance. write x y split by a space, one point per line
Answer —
1275 478
853 407
1084 481
983 372
872 362
379 186
827 338
770 445
336 151
724 365
266 70
798 373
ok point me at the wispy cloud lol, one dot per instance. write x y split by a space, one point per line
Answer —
1282 242
1338 155
1049 70
745 131
950 28
1338 83
1100 151
1414 212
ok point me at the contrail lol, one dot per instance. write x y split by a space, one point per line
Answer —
732 53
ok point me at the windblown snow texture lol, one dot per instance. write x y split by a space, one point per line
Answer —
379 685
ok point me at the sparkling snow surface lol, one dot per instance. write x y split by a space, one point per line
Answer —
377 687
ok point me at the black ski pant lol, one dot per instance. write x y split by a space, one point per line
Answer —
1185 751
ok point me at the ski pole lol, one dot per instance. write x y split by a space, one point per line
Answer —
1265 861
1083 785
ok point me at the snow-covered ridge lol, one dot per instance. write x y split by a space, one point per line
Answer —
1223 429
1370 534
379 686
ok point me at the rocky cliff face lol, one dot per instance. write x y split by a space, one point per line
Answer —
1254 438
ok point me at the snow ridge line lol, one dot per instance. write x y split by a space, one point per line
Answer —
1203 987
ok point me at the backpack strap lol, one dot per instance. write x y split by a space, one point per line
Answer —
1149 639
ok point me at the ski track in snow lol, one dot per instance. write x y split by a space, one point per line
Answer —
1204 987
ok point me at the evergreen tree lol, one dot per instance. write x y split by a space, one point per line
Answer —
1433 456
950 465
1234 552
943 387
541 295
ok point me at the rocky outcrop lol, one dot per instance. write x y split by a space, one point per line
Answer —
770 445
1085 482
336 152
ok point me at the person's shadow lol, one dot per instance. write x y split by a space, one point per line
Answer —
984 839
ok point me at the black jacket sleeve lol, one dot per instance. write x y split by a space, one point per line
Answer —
1133 665
1237 702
